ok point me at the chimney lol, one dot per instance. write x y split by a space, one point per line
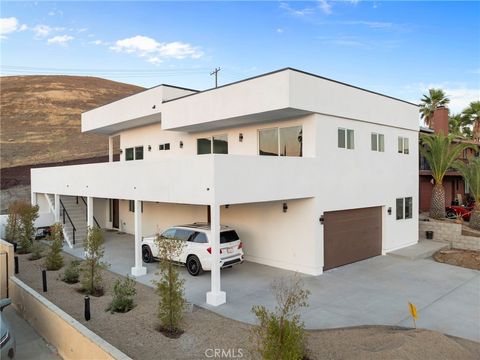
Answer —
440 120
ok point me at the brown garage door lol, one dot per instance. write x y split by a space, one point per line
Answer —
352 235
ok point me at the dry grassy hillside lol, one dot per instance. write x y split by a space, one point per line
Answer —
40 117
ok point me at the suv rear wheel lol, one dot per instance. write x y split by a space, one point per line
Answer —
147 254
194 267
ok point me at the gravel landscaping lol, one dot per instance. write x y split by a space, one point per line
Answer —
135 332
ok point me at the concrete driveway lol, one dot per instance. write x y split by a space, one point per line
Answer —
374 291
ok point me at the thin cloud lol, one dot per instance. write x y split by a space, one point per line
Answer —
370 24
296 12
325 6
60 40
154 51
10 25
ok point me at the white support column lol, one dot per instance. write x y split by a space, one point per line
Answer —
138 269
110 148
215 296
57 208
90 223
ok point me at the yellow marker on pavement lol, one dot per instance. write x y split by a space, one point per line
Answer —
413 312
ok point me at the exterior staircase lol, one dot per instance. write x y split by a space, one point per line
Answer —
73 217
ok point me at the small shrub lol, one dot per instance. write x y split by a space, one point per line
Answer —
92 266
54 259
13 226
123 293
35 251
170 287
28 214
280 334
72 272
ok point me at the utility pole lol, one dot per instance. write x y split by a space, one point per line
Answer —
215 72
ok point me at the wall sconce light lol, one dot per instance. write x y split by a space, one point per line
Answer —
154 106
181 144
285 207
121 151
389 211
227 206
240 137
149 148
322 219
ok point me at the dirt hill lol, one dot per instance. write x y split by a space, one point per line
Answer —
40 117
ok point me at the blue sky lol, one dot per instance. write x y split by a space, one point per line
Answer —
396 48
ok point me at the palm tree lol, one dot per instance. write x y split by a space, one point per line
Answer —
430 102
455 124
440 154
471 174
472 115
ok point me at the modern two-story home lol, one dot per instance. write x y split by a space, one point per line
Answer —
312 173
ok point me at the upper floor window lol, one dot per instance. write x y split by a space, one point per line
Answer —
403 145
378 142
404 208
134 153
285 141
165 146
346 138
217 144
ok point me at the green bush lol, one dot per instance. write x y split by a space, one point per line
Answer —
35 251
72 272
92 266
170 286
280 334
123 293
54 258
24 230
13 227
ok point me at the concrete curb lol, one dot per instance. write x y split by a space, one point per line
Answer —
44 315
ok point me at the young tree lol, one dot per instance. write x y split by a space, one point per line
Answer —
170 286
28 215
430 102
93 265
13 227
440 153
280 335
54 259
471 174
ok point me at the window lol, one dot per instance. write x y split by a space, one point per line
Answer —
169 234
182 234
346 138
135 153
131 206
200 238
217 144
378 142
280 141
165 146
404 208
403 147
228 236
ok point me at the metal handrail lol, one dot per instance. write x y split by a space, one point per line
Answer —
86 211
71 222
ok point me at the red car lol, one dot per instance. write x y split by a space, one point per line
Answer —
455 211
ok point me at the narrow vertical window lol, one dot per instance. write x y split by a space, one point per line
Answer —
350 139
381 142
341 138
408 208
374 140
400 145
400 209
129 154
139 153
405 146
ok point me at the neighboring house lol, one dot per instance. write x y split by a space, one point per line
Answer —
312 173
455 187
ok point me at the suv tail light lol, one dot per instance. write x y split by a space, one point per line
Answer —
240 246
209 250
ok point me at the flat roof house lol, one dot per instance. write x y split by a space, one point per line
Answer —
312 173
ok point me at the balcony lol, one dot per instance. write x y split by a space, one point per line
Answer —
199 180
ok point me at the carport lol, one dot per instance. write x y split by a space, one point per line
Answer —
374 291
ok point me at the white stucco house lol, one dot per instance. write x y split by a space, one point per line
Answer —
312 173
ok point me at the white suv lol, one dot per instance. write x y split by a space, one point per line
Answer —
197 254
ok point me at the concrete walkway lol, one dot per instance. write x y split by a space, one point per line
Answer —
374 291
423 250
30 345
